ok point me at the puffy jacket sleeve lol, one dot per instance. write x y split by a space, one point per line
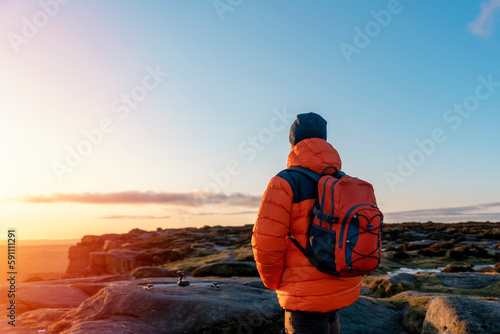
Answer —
271 230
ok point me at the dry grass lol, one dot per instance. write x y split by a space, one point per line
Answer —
415 308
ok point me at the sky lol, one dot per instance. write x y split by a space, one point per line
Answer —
117 115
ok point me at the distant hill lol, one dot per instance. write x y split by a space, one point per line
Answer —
44 258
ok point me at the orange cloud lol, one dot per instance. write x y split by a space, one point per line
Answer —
133 217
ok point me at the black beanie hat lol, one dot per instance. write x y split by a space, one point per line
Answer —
306 126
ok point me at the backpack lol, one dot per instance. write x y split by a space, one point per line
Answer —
345 229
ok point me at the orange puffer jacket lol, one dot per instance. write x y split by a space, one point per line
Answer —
286 207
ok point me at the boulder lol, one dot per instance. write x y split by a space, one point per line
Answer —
455 268
97 264
78 256
120 261
77 266
461 315
98 258
367 317
467 280
227 269
462 252
144 272
79 251
401 277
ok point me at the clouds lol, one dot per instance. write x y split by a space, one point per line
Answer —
483 25
190 199
199 203
146 217
480 212
181 213
181 206
230 213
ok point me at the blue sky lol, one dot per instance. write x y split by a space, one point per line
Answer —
190 96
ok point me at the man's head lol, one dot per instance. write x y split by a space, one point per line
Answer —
309 125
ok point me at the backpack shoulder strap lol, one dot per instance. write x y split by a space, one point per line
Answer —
296 243
313 175
305 171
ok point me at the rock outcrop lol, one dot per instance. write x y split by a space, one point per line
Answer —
122 253
462 315
467 280
236 306
403 243
120 304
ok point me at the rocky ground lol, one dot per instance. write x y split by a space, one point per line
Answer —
103 290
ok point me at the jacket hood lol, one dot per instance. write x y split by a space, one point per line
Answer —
315 154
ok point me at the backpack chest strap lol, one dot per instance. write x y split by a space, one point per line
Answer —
324 217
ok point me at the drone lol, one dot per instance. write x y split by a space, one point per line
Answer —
182 282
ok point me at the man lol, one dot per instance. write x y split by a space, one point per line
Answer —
310 297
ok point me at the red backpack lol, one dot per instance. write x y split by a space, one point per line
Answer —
345 230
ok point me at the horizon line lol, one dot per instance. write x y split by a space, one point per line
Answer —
3 242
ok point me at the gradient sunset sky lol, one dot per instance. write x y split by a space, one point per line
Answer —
123 114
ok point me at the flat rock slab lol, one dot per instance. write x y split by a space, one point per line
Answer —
50 296
171 309
467 280
462 315
91 279
128 308
115 325
42 319
402 277
365 317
